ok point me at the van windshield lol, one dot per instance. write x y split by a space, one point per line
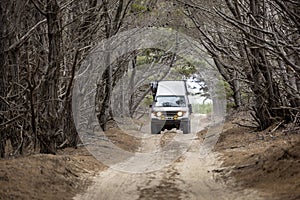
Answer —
170 101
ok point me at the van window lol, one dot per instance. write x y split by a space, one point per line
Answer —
170 101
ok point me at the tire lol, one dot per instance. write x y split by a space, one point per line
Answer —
154 129
186 127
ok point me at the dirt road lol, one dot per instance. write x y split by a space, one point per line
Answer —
167 166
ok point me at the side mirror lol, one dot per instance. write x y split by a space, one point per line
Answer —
190 108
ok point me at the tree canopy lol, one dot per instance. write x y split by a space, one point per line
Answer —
254 46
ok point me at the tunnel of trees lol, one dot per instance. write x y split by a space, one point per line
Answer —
254 45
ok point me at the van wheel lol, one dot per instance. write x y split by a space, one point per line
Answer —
186 127
155 129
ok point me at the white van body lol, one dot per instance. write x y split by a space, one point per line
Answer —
171 107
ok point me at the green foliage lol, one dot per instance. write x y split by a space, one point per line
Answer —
148 100
224 90
140 60
202 108
138 7
187 69
147 56
230 105
228 90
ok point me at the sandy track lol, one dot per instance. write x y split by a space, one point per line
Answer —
158 171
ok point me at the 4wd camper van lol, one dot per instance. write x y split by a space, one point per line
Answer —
171 107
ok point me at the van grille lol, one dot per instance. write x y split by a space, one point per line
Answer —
171 113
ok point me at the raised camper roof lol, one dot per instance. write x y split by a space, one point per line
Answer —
171 88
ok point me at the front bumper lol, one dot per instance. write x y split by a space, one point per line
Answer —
169 122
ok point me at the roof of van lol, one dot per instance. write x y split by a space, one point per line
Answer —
171 88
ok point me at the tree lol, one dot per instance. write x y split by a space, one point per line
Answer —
40 58
246 39
113 22
254 45
3 105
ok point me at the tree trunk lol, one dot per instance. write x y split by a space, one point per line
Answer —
263 88
3 72
71 137
131 88
232 80
105 87
50 83
111 74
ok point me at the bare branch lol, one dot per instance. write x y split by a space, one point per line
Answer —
18 43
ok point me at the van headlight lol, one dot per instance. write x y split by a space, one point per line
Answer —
180 113
158 114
